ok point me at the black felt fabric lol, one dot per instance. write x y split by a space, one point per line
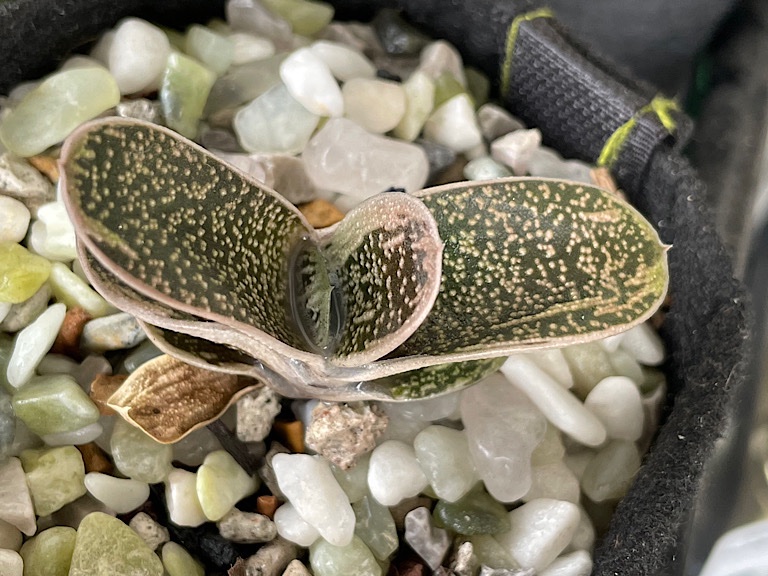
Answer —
578 102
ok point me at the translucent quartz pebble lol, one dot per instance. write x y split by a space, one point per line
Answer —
427 541
178 562
553 480
195 446
616 401
492 555
11 563
90 368
240 85
32 343
120 494
19 180
308 483
209 47
248 48
15 500
306 17
253 17
150 531
54 404
293 527
475 513
540 530
70 97
246 527
70 289
443 454
454 125
221 483
181 498
485 168
375 526
55 477
105 545
494 413
376 105
345 158
24 439
516 148
183 93
137 55
14 220
561 408
609 474
545 162
137 455
10 536
354 558
310 82
550 449
77 437
554 363
644 344
21 273
50 552
427 410
589 363
394 473
577 563
141 109
496 121
113 332
344 62
53 235
354 481
284 174
420 99
274 122
439 57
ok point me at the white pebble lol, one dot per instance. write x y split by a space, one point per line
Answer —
248 48
560 407
443 454
75 437
394 473
616 401
584 536
52 234
577 563
14 220
137 55
644 344
540 531
516 149
439 57
11 563
485 168
610 473
293 527
344 62
308 483
376 105
553 480
311 83
32 344
181 499
553 362
454 125
120 494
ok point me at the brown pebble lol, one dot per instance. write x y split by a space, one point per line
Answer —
238 568
407 566
321 213
68 339
95 459
102 388
291 434
602 178
267 505
46 165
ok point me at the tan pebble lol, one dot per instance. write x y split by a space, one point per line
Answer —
95 459
296 568
291 434
68 339
267 505
102 388
321 213
47 165
602 178
239 568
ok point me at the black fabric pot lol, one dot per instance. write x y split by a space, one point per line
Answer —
587 111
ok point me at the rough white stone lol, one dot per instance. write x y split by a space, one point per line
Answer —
540 531
439 57
495 121
577 563
246 527
609 474
181 499
75 437
616 401
644 344
14 220
291 526
308 483
256 412
344 62
120 494
249 48
150 531
52 235
516 149
137 55
443 454
560 407
427 541
394 473
15 500
454 125
32 344
310 82
376 105
11 563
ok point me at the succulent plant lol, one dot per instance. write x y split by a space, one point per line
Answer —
409 296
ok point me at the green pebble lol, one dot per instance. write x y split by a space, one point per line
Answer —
137 455
589 364
54 404
185 88
446 87
491 553
55 476
70 289
179 562
375 527
61 103
221 483
50 552
106 545
306 17
211 48
354 558
475 513
21 273
478 85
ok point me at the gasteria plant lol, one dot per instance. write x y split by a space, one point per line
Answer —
411 295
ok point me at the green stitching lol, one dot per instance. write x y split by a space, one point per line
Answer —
509 49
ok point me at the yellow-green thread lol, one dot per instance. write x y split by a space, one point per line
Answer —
661 107
509 50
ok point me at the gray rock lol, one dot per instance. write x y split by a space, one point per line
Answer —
397 36
427 541
22 314
219 139
272 558
439 157
246 527
87 371
113 332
